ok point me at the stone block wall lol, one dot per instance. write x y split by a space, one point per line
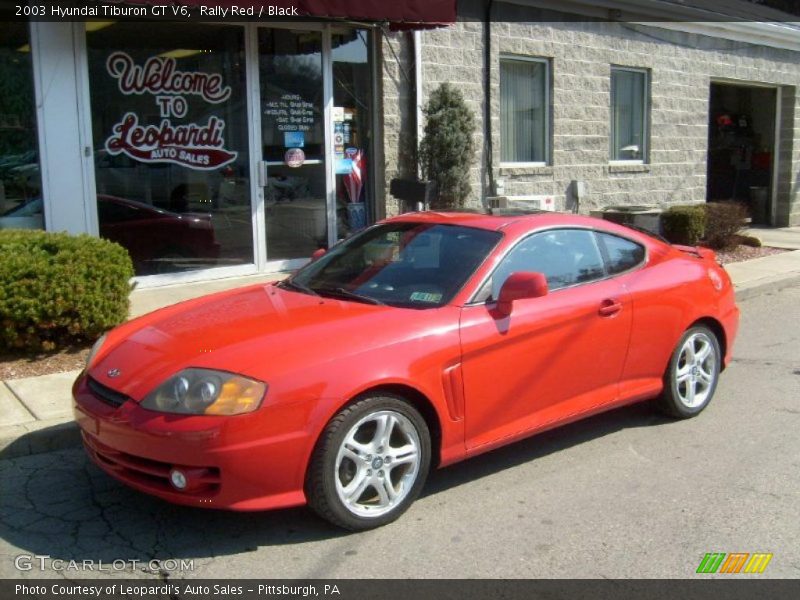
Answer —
682 67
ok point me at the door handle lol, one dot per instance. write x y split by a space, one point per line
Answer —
261 174
609 307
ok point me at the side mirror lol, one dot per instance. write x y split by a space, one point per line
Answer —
317 254
519 286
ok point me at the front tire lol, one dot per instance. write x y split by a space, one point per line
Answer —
370 463
692 375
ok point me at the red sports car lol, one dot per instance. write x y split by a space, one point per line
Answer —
421 341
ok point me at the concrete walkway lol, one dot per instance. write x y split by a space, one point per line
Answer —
784 237
36 414
770 272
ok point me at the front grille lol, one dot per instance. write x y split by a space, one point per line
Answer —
106 394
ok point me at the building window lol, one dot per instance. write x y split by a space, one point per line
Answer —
629 114
20 178
524 110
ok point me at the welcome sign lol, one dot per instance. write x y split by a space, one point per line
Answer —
192 145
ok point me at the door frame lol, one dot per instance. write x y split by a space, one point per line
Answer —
258 166
774 176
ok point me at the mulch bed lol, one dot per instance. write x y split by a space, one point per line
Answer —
742 252
17 366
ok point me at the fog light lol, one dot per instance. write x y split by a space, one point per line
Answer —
178 479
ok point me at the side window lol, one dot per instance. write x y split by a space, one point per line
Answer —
622 254
565 256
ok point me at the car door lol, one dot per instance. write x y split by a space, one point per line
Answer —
663 301
554 357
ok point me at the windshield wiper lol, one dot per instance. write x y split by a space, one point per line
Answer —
289 284
343 293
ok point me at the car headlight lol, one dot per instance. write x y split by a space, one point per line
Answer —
95 349
206 392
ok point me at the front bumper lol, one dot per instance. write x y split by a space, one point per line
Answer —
244 462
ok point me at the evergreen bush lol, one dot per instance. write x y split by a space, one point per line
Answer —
684 224
448 147
58 289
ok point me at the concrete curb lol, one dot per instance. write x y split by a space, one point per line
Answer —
771 285
38 437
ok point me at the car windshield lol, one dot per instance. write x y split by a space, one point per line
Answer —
405 264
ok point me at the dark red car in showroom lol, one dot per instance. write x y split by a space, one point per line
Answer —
158 240
421 341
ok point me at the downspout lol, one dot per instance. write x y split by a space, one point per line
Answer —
418 100
487 99
418 93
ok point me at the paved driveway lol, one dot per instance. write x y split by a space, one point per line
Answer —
625 494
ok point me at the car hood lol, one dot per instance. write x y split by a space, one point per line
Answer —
253 331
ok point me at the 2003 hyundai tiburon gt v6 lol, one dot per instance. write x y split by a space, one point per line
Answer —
421 341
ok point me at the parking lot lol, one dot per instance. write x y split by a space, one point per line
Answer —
625 494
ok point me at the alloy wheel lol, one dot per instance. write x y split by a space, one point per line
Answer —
377 463
696 370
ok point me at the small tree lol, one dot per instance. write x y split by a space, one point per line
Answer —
448 146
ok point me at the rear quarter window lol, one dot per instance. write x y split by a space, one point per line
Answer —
622 254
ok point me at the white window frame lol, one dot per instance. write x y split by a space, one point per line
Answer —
645 160
548 129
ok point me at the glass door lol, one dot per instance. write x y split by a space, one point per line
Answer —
351 123
293 142
314 96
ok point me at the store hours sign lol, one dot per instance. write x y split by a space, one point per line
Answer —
192 145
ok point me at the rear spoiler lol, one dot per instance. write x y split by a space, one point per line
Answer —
698 251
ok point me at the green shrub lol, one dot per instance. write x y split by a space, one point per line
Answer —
448 147
57 289
724 221
684 224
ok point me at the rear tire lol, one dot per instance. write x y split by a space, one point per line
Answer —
369 464
692 374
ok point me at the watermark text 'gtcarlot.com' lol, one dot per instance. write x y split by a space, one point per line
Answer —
44 562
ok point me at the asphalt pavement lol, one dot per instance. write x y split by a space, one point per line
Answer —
625 494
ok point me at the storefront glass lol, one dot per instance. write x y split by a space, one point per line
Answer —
170 125
300 197
20 177
169 120
352 132
293 142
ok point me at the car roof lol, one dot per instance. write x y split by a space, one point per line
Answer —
516 225
468 219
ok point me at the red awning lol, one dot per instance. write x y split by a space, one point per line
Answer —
400 13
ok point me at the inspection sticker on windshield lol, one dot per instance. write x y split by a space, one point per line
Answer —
425 297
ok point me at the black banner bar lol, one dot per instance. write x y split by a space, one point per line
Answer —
733 588
774 11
